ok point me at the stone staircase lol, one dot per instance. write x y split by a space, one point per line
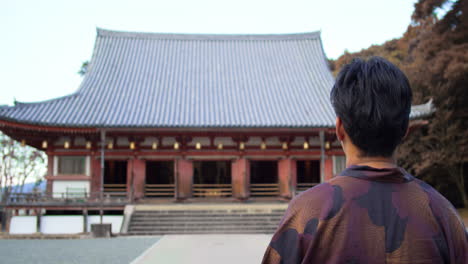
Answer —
205 219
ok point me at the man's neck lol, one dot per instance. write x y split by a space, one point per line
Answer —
375 162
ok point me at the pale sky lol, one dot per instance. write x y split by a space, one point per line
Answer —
44 42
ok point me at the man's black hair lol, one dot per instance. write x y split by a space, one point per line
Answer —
373 100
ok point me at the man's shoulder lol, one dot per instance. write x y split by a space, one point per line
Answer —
437 201
323 200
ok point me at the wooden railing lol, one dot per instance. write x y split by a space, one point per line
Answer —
212 190
115 189
264 189
159 190
304 186
65 198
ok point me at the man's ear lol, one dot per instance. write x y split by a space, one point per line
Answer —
340 132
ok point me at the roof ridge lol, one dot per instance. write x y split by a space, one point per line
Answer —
210 37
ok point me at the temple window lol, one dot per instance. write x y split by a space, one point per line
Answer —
339 164
76 165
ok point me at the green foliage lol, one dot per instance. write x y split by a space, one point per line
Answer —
84 68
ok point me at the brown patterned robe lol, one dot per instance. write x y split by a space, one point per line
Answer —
369 215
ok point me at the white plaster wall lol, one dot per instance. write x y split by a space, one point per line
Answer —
80 141
149 141
168 141
226 141
23 225
273 141
115 220
60 187
204 141
62 224
87 165
254 141
298 141
122 141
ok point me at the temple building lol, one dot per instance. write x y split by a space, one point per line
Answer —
190 116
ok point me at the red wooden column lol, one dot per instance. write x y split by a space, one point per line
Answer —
95 175
139 177
240 173
287 175
328 167
50 173
183 171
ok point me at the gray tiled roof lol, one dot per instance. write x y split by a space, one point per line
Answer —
189 80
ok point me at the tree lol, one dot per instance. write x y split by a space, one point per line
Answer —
18 165
84 68
433 54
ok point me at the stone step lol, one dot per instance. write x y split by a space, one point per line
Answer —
225 232
227 218
176 225
201 221
138 214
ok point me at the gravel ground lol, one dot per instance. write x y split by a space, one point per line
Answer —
102 251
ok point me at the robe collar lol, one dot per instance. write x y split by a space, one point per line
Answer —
390 175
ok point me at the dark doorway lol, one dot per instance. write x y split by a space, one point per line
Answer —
264 178
308 174
212 178
115 177
159 179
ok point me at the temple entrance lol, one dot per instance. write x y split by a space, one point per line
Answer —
115 178
159 179
212 179
264 178
308 174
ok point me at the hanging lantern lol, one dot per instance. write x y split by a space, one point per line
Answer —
88 144
110 145
176 145
285 145
44 144
198 145
327 145
241 146
263 145
132 145
220 146
306 145
154 145
66 144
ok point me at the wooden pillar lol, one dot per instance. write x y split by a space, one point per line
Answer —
328 168
240 173
85 220
38 220
50 173
95 176
287 177
139 177
183 171
130 175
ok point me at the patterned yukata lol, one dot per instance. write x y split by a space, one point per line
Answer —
369 215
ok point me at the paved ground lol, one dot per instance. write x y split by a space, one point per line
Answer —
115 250
174 249
208 249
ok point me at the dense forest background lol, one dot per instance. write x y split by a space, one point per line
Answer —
433 53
